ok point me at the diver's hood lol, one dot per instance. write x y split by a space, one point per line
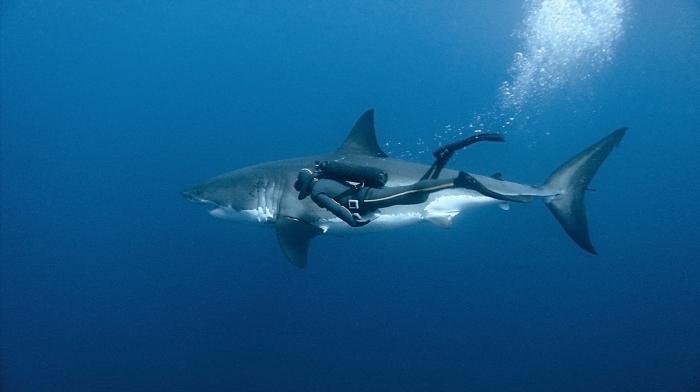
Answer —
304 182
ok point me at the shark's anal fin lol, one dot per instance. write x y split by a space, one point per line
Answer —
362 139
294 236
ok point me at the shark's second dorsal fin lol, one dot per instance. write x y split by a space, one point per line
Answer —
293 236
362 138
497 176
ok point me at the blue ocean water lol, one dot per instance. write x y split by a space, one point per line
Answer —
110 281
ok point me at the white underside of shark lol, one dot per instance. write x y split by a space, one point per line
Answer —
440 209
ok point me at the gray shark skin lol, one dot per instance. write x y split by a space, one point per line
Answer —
264 194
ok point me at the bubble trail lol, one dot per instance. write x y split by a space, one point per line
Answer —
564 41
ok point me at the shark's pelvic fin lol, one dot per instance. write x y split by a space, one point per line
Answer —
362 138
293 236
572 179
444 220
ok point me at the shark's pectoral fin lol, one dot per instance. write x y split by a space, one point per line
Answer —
294 236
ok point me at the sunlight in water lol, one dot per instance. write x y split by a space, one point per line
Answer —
563 41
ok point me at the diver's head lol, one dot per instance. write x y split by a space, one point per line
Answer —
304 182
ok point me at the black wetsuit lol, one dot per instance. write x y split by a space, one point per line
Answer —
344 199
350 203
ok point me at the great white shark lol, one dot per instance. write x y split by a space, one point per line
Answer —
264 194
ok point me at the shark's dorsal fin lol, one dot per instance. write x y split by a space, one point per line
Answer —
293 236
362 139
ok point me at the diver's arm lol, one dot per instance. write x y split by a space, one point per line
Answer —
337 209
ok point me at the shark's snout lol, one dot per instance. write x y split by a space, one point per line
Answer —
191 195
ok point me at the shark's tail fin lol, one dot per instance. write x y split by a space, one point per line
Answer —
572 179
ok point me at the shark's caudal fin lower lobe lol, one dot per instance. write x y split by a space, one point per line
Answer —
572 179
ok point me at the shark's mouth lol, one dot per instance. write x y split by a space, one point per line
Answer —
192 196
258 215
217 210
263 213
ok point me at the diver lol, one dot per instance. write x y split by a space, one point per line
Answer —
330 184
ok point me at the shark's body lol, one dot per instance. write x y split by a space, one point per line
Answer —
264 194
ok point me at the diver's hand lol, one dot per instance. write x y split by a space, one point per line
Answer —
359 220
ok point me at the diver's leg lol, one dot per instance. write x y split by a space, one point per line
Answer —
465 180
478 137
374 198
417 193
443 154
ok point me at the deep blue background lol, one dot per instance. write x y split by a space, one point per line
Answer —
111 282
